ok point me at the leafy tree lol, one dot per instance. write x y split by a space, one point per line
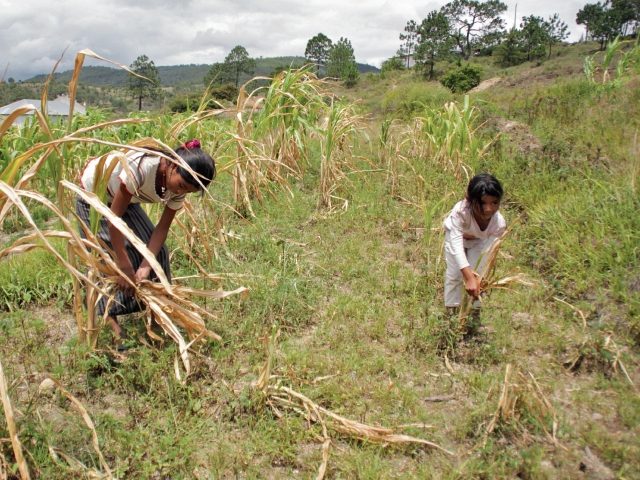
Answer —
589 16
532 40
235 63
510 51
218 74
409 40
475 23
342 62
435 41
627 13
238 61
557 31
148 87
318 49
351 74
608 27
534 36
607 20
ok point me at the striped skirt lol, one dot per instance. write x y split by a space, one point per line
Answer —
139 222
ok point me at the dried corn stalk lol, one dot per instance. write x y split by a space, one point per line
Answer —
11 427
521 397
92 473
168 305
280 397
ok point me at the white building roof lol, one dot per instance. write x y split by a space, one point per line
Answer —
57 107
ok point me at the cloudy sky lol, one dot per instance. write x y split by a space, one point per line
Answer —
34 33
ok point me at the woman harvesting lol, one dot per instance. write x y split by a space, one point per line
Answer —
148 177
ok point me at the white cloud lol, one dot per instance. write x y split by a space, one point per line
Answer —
34 33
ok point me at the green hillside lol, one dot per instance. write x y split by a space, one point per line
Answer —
175 75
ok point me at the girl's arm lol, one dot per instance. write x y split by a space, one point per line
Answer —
119 204
471 282
158 236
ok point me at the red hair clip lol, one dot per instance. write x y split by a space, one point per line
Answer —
191 144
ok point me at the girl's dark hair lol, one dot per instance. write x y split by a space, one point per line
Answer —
483 184
200 162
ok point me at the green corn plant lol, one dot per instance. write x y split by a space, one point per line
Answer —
292 104
628 60
273 134
447 139
343 124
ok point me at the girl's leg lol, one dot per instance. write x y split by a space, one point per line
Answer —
452 283
477 256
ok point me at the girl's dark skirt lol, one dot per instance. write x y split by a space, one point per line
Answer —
139 222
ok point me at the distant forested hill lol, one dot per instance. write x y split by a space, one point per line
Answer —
176 75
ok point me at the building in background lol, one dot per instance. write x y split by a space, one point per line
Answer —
57 109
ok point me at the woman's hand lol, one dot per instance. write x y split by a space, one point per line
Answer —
122 282
471 282
142 273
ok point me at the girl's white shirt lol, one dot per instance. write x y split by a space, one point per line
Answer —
460 223
140 179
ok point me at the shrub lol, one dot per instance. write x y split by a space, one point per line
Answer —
393 63
217 93
462 79
409 98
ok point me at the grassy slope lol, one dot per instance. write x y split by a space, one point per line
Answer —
357 296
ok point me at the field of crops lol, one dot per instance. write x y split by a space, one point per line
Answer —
304 334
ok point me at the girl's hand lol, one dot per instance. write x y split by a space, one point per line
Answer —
471 282
142 273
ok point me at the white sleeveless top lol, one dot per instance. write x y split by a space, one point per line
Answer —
139 180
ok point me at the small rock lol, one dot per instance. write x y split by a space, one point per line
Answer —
522 318
596 416
593 468
46 387
547 469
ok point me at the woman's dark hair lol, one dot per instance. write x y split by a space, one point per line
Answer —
481 185
200 162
